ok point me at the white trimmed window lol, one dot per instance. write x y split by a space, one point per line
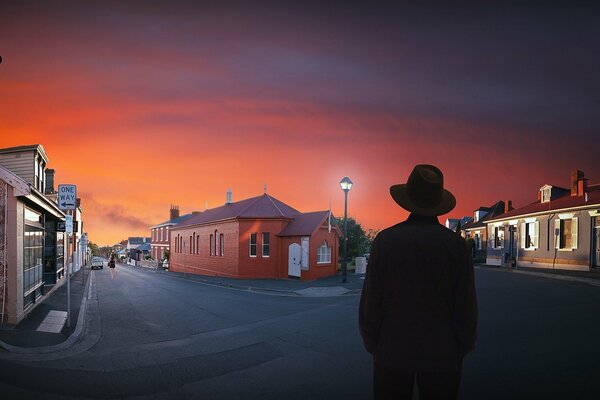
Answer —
565 232
530 231
253 245
324 254
266 244
222 243
160 233
497 237
477 240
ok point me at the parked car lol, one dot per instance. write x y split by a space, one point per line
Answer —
97 262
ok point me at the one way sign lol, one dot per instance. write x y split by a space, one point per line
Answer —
67 197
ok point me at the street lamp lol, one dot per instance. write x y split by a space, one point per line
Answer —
346 185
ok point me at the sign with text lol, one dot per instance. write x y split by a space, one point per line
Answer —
67 197
69 224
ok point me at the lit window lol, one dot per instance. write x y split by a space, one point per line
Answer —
324 254
266 243
565 236
253 246
529 235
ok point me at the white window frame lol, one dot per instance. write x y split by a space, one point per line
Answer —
574 232
496 230
255 244
265 246
324 253
526 226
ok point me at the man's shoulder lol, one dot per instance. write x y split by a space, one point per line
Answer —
404 228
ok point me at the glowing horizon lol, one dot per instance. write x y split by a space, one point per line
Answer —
146 106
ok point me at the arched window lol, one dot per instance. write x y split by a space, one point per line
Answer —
216 243
193 244
324 254
198 244
211 246
222 244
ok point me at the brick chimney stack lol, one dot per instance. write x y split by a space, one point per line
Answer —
576 176
49 181
508 206
174 212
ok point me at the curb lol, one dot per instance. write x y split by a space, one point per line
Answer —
589 281
70 341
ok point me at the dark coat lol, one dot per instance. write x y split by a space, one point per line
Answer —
418 309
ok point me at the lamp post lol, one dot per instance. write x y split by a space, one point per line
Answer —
346 185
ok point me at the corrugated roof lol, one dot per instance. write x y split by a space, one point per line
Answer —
263 206
564 202
305 224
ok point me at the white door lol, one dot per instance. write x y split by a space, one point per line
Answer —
294 253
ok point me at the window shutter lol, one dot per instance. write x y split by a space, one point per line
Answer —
523 239
574 225
537 234
556 237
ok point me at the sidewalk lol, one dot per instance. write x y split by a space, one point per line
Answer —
590 277
25 334
324 287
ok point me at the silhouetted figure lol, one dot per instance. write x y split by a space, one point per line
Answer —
418 309
111 264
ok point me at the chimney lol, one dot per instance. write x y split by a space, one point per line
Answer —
229 196
174 214
508 206
49 181
581 186
576 176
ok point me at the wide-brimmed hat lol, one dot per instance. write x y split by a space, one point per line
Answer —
424 192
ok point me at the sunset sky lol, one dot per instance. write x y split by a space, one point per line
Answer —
175 102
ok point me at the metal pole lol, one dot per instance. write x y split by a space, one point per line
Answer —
344 262
68 284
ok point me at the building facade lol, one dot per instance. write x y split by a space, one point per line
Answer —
32 247
476 229
160 234
260 237
560 230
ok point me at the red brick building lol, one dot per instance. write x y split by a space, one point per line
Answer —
160 234
260 237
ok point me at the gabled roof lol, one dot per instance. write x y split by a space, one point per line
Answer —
493 212
306 224
263 206
174 221
564 202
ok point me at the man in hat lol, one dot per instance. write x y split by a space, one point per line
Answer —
418 309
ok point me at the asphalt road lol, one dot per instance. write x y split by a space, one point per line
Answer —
158 336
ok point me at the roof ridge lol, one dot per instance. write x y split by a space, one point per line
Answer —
278 209
249 205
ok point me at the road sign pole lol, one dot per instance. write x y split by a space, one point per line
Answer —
68 284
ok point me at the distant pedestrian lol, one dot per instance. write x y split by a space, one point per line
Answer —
418 309
111 265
